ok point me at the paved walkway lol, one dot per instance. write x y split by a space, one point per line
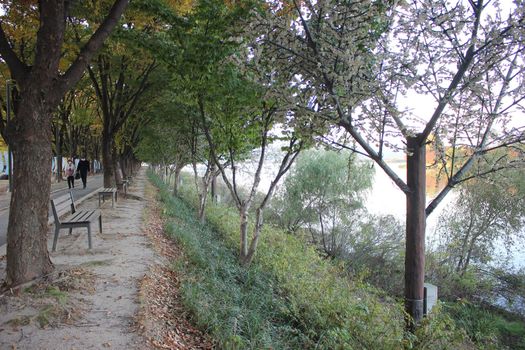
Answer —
92 298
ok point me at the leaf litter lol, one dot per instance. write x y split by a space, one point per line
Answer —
163 320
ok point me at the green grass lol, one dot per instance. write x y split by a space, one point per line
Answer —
487 329
237 306
289 298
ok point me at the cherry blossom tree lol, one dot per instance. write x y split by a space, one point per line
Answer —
367 64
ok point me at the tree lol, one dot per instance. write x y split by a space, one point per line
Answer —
254 131
40 85
120 83
206 41
362 60
325 192
486 211
167 139
76 120
251 117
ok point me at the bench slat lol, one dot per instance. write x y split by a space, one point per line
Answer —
83 216
63 208
108 189
62 200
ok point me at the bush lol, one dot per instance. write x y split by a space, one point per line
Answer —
486 328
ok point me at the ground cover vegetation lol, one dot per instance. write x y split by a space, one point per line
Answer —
289 297
364 265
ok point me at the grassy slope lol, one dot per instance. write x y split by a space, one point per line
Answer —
289 297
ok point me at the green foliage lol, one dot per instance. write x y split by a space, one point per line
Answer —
325 183
471 283
294 299
375 246
320 305
438 331
324 192
167 138
239 307
487 329
487 210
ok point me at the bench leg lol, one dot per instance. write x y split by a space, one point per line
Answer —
55 239
100 223
70 230
99 200
89 236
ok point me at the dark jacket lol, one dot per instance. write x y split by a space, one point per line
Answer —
83 166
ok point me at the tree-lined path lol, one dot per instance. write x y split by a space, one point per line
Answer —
97 299
213 84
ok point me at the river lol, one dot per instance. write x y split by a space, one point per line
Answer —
384 198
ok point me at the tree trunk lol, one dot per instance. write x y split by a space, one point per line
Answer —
203 197
415 231
244 233
213 182
255 238
27 254
178 169
59 155
118 171
107 160
469 254
202 206
124 166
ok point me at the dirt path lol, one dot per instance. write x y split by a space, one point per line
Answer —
92 299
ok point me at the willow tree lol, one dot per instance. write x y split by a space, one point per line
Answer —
367 64
39 85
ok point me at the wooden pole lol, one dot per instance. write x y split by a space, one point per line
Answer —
415 231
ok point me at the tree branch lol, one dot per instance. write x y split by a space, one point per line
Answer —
75 71
17 68
465 63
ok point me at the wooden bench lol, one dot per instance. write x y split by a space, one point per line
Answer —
65 204
107 191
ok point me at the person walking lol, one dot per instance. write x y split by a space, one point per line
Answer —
70 173
83 169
